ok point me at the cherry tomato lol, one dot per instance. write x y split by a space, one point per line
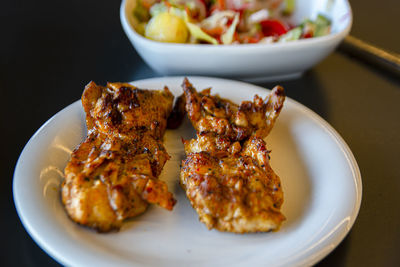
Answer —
273 27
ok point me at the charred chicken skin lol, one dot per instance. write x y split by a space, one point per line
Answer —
215 114
113 174
226 174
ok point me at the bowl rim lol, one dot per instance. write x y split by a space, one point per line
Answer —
136 37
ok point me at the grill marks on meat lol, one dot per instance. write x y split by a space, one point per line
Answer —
113 174
226 175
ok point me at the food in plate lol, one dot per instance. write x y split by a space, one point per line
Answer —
226 174
113 174
224 21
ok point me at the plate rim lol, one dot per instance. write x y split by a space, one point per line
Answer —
312 259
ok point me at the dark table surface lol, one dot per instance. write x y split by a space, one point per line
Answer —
50 49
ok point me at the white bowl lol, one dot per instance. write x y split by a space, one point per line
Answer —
245 61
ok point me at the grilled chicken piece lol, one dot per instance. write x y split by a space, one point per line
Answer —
226 175
113 174
215 114
122 110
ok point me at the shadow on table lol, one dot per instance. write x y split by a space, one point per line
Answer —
30 254
338 256
307 90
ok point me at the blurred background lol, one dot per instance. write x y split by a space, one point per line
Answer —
49 50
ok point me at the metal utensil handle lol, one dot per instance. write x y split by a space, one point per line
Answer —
390 61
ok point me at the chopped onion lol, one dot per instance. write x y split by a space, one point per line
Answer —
258 16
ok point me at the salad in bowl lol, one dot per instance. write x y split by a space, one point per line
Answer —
250 40
224 21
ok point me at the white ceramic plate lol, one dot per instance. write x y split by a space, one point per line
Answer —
320 177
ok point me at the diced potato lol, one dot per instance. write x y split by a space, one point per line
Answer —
166 27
